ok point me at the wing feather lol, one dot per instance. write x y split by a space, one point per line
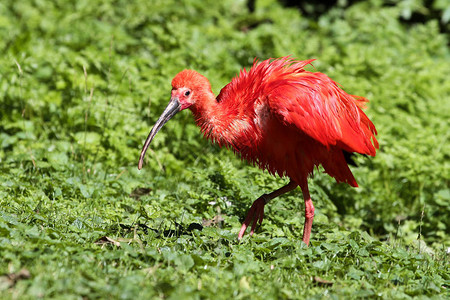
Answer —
309 101
315 104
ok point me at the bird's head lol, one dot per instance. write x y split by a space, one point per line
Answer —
188 89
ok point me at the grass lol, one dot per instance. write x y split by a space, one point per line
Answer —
80 85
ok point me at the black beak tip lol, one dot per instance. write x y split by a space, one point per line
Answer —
141 162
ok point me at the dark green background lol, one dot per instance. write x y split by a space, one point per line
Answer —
80 85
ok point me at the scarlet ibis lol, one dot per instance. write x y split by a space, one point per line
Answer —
281 118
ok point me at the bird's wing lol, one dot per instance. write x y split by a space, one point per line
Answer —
314 104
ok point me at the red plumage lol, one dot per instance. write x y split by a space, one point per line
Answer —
281 118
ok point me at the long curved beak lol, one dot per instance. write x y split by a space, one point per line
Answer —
172 108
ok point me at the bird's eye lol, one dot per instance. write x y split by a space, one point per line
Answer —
187 93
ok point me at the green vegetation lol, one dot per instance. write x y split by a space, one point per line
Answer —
81 83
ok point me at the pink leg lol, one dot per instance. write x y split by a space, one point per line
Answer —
309 214
256 213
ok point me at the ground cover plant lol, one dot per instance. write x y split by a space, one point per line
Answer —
82 81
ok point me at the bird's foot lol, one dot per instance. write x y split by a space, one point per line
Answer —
255 215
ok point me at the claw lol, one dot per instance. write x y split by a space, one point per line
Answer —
255 215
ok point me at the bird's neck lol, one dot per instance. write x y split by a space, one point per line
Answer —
213 117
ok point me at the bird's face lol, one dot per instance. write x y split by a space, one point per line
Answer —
184 96
187 87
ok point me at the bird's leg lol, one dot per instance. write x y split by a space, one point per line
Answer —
256 213
309 215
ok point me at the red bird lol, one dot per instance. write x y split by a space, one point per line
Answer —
281 118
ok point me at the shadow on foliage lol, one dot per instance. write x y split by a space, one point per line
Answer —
414 12
178 231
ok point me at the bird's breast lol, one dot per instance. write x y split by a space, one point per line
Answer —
241 129
241 134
